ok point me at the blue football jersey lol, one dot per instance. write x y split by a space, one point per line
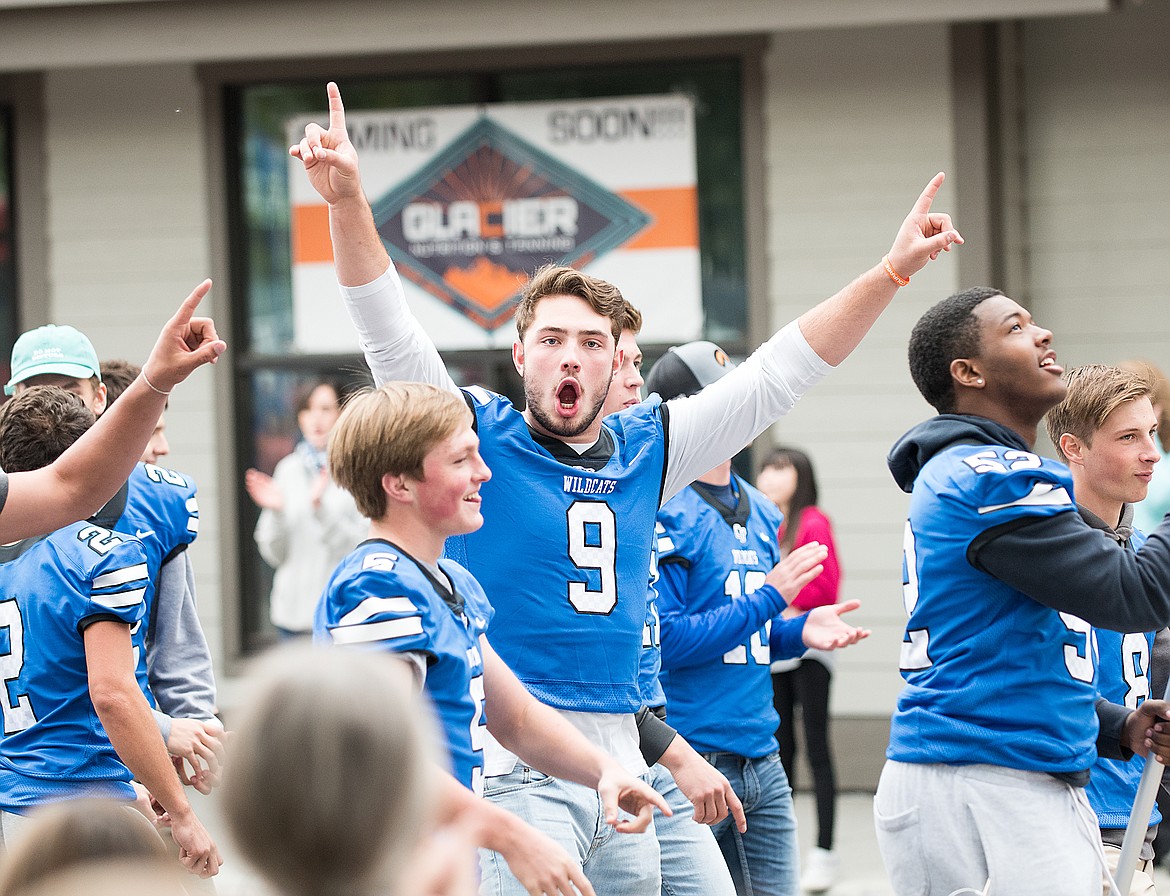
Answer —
992 676
711 557
564 550
51 588
1123 677
381 598
162 512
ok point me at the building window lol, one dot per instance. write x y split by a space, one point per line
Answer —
270 363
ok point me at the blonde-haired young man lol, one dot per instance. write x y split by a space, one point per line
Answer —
1105 430
409 456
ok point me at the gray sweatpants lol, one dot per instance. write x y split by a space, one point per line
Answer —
966 830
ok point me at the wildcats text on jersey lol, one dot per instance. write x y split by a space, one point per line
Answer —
589 485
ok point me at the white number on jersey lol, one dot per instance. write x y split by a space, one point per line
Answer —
650 636
988 461
162 474
1078 658
593 545
1135 668
733 587
916 645
477 728
98 540
20 716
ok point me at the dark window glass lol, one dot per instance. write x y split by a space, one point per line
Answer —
268 372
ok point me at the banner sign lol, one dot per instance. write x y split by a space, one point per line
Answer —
470 200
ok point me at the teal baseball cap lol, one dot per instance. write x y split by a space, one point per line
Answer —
51 349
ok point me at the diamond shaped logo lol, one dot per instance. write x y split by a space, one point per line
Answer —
490 208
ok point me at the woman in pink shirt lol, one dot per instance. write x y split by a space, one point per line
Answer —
787 478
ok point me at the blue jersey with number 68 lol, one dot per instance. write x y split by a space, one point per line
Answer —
992 676
564 551
51 590
1123 670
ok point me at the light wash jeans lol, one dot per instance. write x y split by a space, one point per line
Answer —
572 815
765 860
692 864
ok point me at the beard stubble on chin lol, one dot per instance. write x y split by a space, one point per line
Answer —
558 426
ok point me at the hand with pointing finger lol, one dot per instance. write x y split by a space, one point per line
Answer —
330 160
924 234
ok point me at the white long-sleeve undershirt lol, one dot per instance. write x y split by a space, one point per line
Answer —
705 429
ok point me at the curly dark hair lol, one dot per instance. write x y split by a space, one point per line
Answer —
947 331
38 425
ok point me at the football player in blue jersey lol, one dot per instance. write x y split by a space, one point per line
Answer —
85 476
690 861
1106 431
159 508
76 723
567 582
994 732
408 455
722 588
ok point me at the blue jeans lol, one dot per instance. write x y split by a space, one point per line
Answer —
692 864
763 862
572 815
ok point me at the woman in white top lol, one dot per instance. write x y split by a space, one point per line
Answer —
307 524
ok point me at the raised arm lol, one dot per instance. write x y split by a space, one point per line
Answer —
708 428
836 326
395 346
331 164
81 480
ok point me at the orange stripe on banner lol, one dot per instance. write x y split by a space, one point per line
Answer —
310 234
674 218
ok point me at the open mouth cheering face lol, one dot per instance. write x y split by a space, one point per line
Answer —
567 359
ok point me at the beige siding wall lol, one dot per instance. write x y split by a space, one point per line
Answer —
127 236
853 134
1097 158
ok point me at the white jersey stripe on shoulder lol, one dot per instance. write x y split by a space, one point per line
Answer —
372 606
378 631
1043 494
118 599
121 576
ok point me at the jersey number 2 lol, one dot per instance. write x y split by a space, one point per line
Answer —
20 716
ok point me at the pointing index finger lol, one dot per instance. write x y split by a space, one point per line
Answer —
336 107
187 309
922 206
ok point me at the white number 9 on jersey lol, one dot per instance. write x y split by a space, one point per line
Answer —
593 545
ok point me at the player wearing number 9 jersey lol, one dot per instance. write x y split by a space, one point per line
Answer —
568 325
995 727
